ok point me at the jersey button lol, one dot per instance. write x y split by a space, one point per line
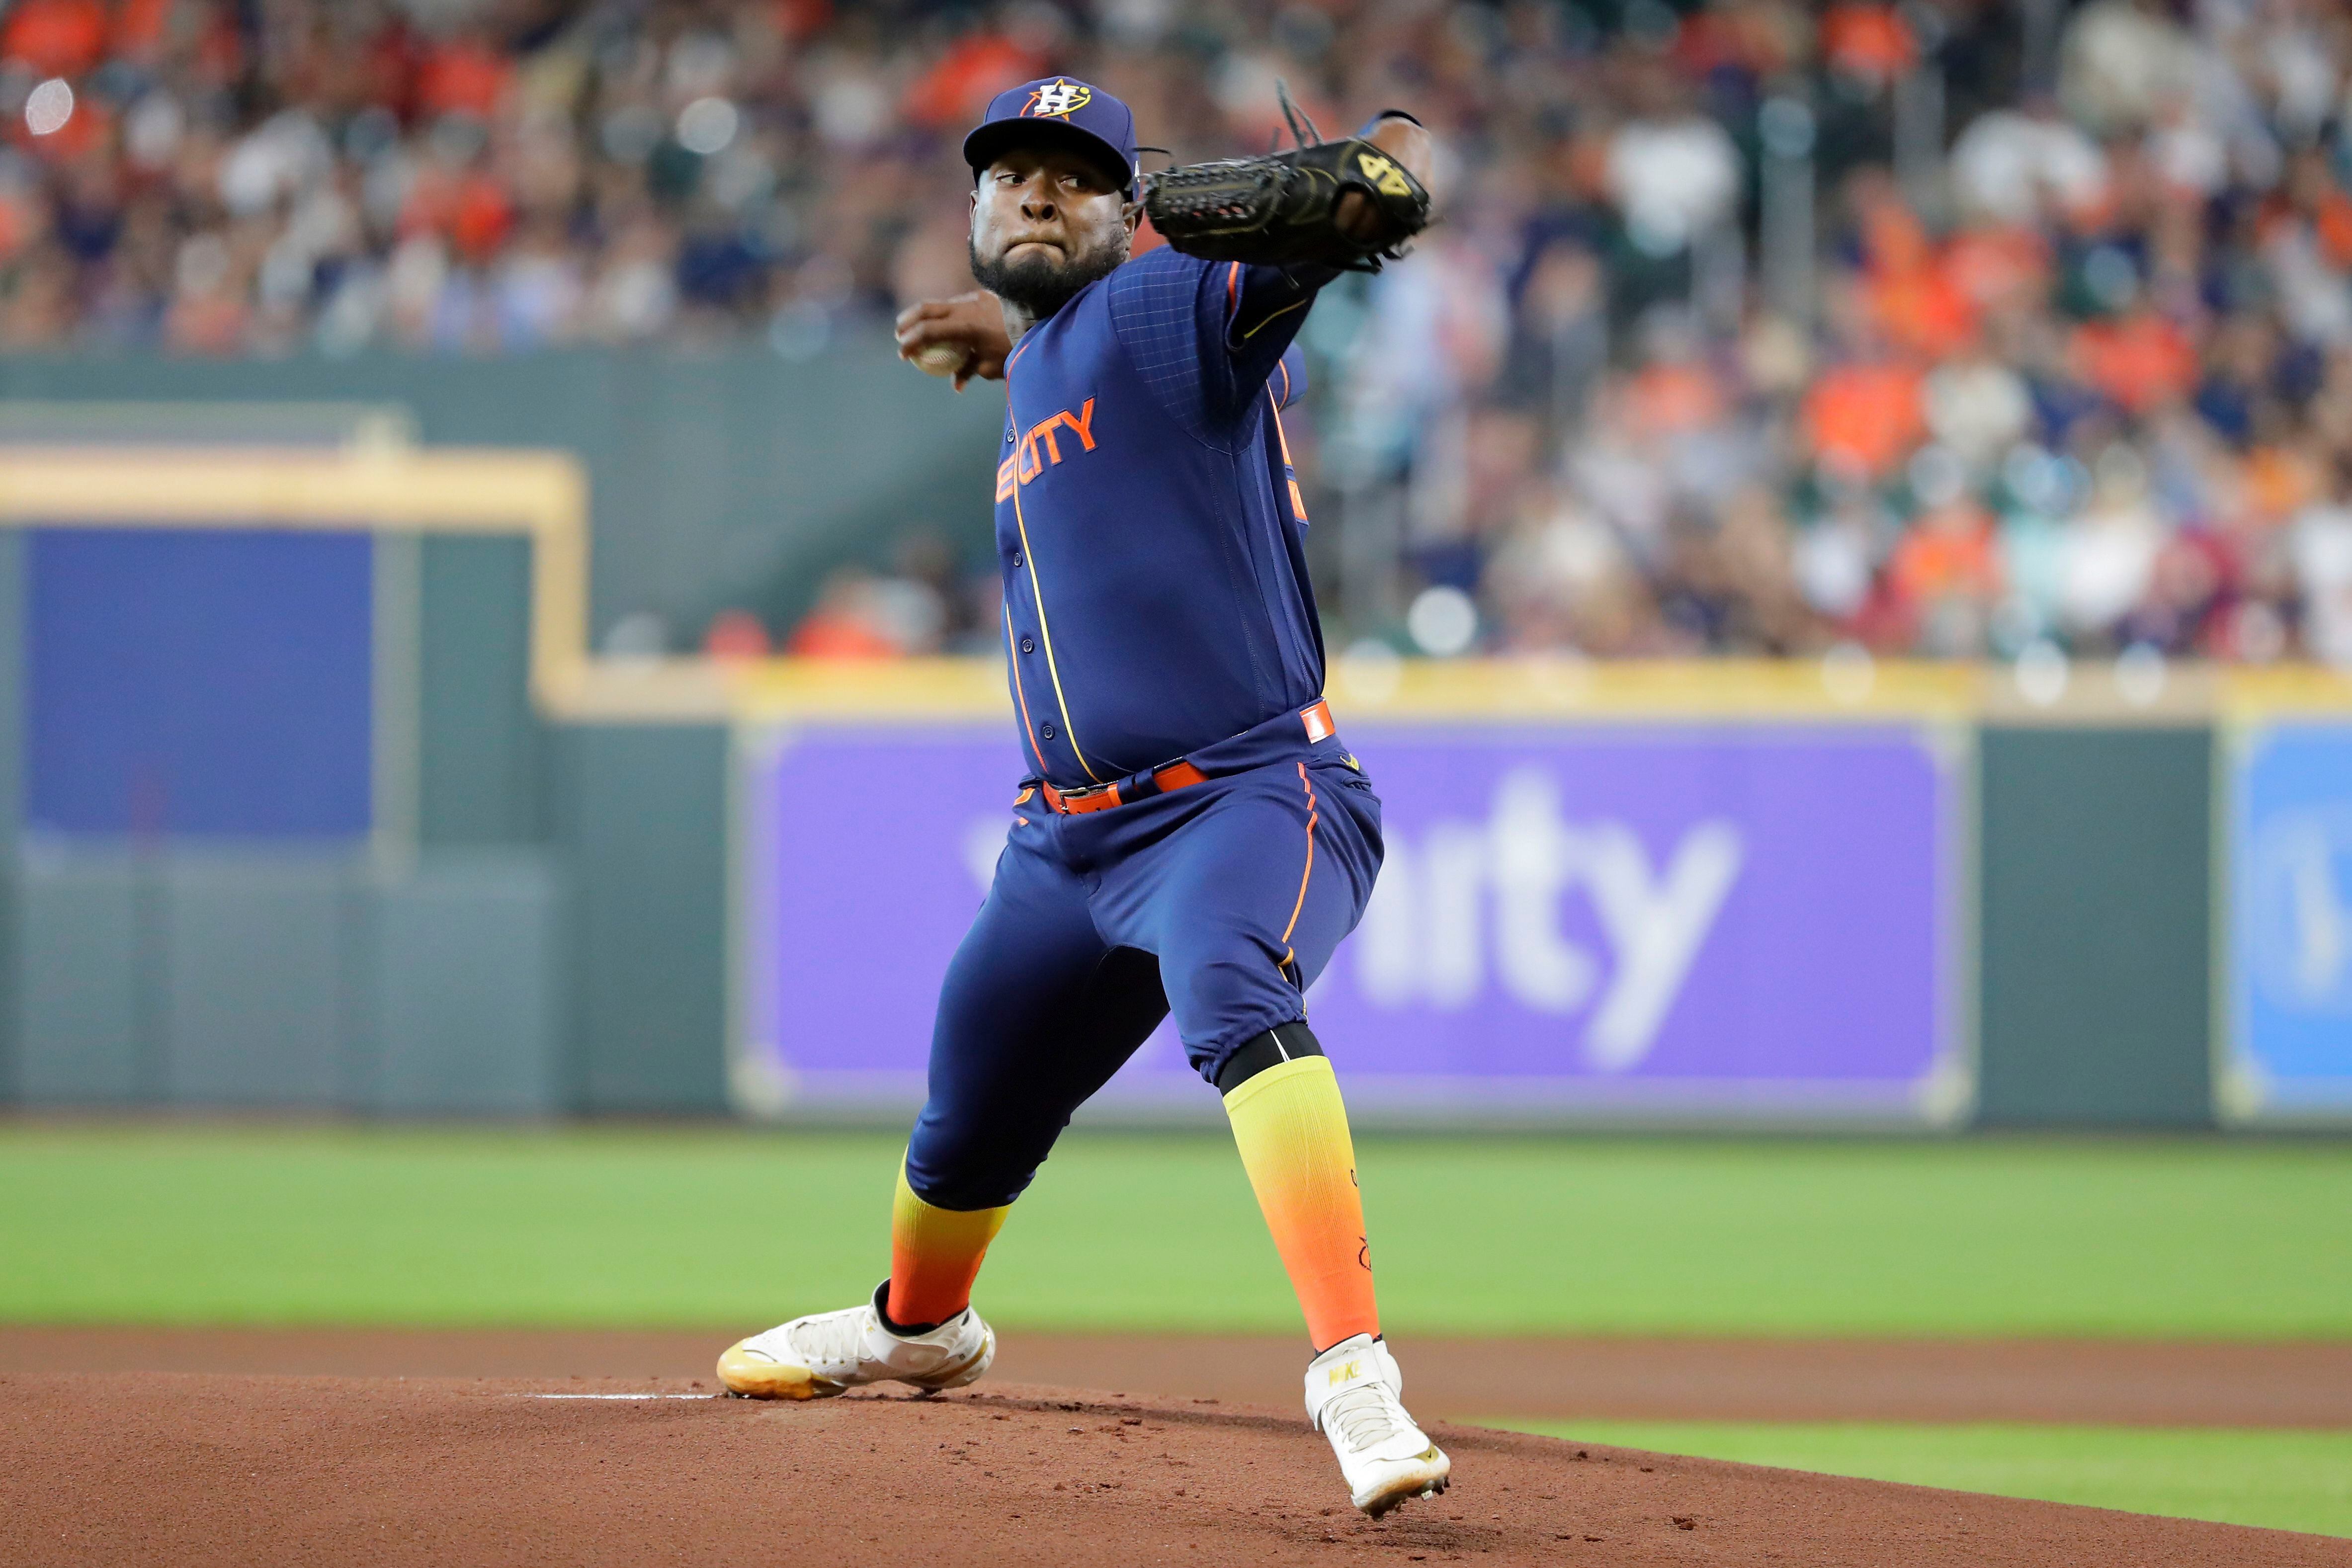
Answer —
1027 646
1016 559
1047 729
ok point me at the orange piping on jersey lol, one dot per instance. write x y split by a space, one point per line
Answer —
1297 498
1012 654
1046 631
1278 433
1233 290
1313 816
1284 366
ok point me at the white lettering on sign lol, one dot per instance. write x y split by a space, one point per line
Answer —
2299 883
1469 892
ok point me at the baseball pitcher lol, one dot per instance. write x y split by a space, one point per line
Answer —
1193 835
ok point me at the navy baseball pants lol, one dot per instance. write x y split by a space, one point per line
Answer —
1221 902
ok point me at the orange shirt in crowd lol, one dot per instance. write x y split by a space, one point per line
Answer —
472 210
1865 417
1949 553
2332 222
1868 41
139 28
1915 302
2139 362
1893 237
56 38
465 76
829 634
1994 265
2279 482
1923 311
481 219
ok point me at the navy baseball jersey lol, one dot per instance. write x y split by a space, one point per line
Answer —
1149 524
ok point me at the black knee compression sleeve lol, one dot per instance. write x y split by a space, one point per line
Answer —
1286 1042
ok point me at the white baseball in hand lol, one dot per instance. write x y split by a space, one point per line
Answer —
939 359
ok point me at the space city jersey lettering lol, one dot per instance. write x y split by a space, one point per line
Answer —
1155 583
1025 465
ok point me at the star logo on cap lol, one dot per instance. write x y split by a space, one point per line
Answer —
1057 101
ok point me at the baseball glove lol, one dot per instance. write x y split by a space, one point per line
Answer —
1281 209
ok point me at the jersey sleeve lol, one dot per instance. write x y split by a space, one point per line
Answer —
1269 304
1209 338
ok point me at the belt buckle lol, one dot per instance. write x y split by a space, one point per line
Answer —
1094 798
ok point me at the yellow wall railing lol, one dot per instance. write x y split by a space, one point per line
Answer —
543 495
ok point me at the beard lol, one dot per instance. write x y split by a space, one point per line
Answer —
1039 284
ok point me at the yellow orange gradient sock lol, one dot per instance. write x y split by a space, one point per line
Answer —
1292 1130
935 1255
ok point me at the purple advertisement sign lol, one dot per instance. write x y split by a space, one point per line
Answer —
1572 921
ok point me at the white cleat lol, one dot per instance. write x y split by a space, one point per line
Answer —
1352 1397
826 1354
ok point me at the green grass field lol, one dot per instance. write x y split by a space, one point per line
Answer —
2287 1481
726 1229
720 1226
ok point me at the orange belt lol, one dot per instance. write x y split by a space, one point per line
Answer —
1103 796
1178 775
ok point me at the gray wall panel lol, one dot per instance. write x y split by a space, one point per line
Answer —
254 1009
479 740
468 957
2096 910
12 682
84 999
643 815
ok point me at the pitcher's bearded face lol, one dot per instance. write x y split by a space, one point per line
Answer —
1047 222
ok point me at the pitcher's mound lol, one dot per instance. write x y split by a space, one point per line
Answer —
190 1471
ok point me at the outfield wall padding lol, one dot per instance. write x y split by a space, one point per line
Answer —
241 979
2095 938
482 751
640 813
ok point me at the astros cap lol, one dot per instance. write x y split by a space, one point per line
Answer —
1057 110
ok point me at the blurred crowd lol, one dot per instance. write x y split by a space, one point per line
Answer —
1949 328
2061 356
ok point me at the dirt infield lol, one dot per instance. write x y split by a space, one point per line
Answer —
2105 1381
191 1470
